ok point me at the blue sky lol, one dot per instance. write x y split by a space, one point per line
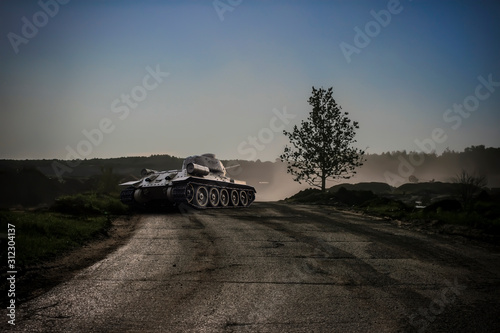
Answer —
238 72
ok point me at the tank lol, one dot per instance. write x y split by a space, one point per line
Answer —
201 183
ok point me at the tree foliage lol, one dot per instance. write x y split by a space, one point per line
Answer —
321 148
470 185
108 182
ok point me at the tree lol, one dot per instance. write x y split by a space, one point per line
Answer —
108 182
322 146
469 185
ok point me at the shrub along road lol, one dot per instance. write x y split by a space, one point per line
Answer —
276 267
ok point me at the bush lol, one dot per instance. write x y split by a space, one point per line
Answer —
353 198
490 209
484 215
89 204
41 235
446 205
386 207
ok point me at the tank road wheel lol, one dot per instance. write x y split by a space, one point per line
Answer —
235 197
243 198
201 196
214 197
189 193
224 197
251 196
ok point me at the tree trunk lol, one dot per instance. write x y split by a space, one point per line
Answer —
323 183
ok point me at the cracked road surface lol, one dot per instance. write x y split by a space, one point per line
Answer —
276 268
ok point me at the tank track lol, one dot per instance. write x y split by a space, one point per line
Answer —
210 195
127 196
202 195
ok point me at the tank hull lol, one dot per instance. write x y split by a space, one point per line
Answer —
195 192
199 186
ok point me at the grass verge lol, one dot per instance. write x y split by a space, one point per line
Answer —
70 222
44 235
41 236
481 221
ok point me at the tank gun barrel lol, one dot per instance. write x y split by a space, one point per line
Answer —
232 166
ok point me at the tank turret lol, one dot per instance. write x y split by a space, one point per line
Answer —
201 183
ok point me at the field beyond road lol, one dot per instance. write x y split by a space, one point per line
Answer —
276 268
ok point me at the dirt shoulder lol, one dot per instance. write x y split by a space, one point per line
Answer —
459 233
40 278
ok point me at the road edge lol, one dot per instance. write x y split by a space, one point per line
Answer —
38 279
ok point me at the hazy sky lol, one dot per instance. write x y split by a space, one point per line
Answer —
116 78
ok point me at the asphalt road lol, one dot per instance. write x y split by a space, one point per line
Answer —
276 268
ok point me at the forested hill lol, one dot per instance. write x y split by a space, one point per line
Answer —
270 178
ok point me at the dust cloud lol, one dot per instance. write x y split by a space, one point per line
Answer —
272 182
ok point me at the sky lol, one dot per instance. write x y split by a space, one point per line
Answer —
109 78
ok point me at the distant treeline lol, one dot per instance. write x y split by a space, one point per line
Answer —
428 167
35 181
